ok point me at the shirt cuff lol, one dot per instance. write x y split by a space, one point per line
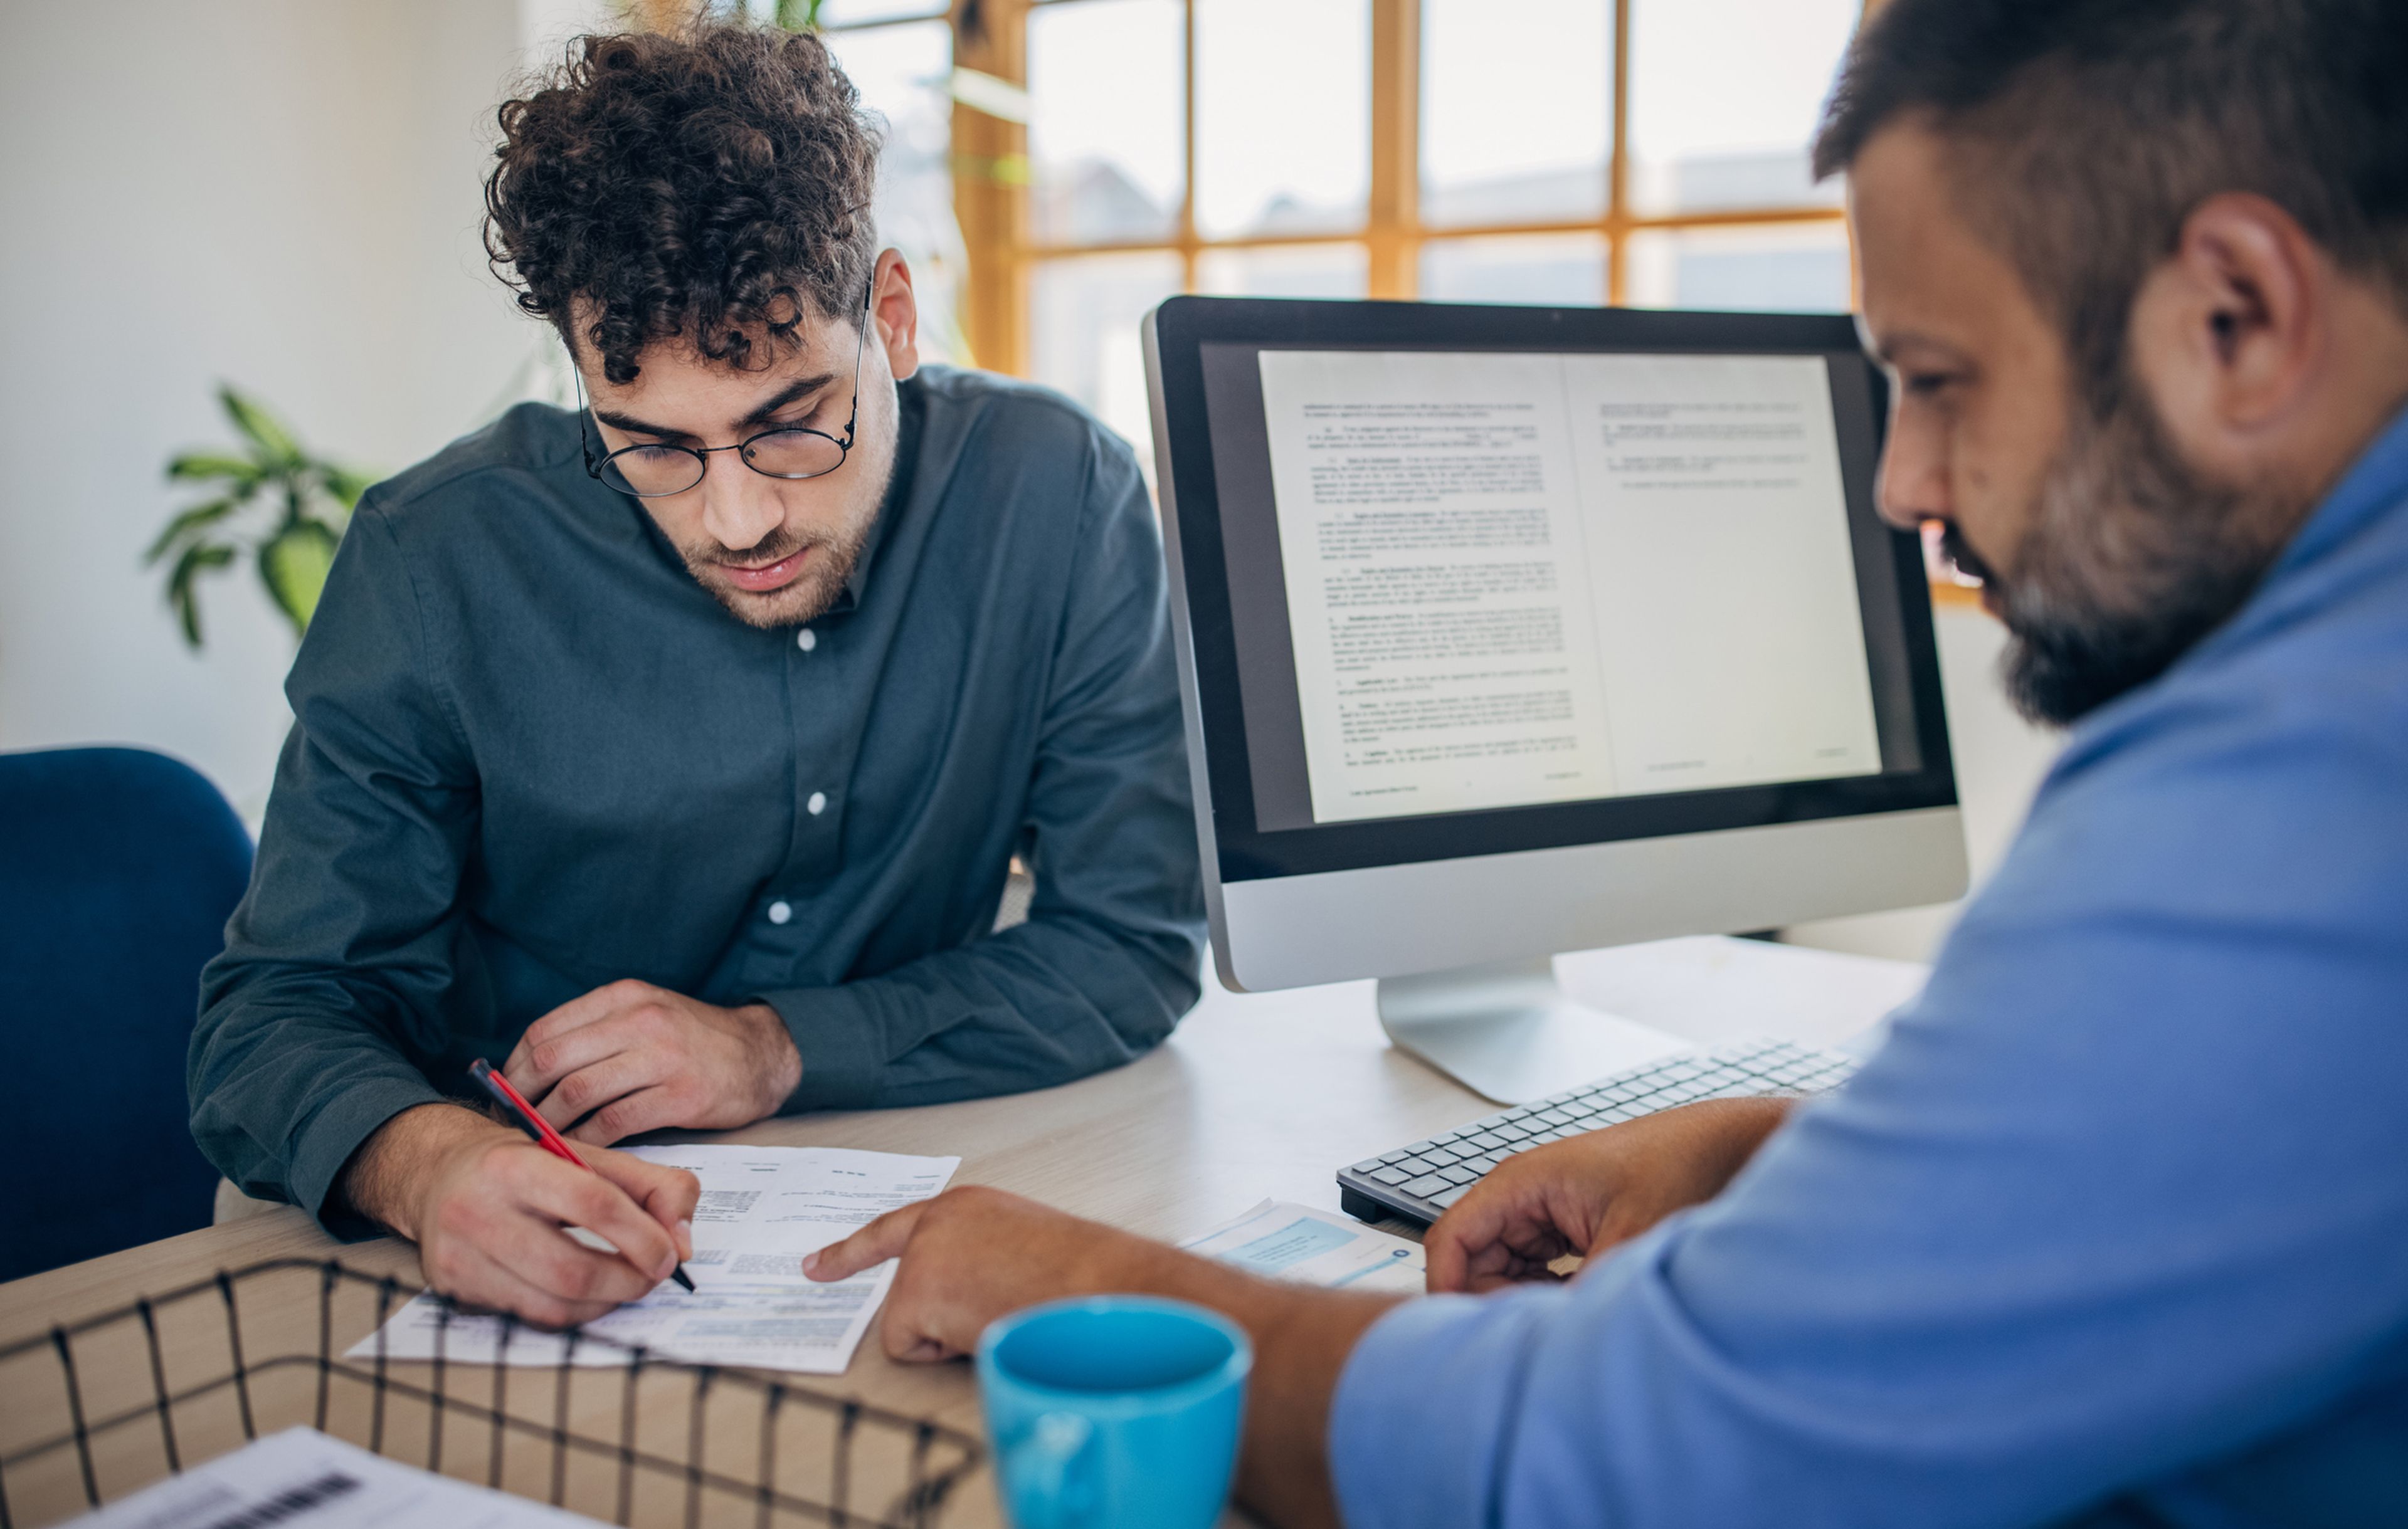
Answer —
835 1031
322 1149
1425 1406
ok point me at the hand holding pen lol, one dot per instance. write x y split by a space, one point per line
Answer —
535 1125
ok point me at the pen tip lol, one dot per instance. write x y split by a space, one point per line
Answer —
685 1280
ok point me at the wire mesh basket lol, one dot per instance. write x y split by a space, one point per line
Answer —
94 1410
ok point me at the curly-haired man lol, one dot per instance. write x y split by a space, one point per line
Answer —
676 748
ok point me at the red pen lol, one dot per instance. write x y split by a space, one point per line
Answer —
541 1129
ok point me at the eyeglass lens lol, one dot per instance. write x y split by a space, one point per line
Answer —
648 470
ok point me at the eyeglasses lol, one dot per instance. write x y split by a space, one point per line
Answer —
790 451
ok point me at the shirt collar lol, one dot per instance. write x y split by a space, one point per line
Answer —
2376 483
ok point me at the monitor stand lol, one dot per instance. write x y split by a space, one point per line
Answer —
1509 1033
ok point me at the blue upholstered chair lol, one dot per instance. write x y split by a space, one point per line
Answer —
118 869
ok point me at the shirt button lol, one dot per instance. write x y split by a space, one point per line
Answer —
806 640
780 911
817 805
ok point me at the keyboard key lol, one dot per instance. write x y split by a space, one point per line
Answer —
1365 1167
1390 1175
1459 1175
1427 1185
1447 1197
1417 1164
1486 1142
1485 1162
1440 1157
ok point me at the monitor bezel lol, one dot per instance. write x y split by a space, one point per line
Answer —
1181 326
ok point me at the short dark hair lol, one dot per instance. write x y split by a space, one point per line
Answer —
709 187
2089 128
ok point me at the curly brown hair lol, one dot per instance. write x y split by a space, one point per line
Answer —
709 187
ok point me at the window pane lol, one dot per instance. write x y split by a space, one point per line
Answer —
1513 131
1283 115
1106 120
1083 316
901 73
1723 98
1800 269
1312 270
1553 270
845 12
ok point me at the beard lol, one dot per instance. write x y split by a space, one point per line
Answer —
806 599
2133 556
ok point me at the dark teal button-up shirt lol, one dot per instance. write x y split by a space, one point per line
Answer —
530 756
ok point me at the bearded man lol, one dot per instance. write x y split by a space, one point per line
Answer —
676 750
2114 1228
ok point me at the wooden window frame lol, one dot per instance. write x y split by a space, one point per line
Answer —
991 180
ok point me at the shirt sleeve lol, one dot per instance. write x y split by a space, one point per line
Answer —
2119 1197
338 960
1110 955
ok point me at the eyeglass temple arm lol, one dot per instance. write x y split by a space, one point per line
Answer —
860 342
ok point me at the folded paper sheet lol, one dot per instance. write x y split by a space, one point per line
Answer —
1315 1247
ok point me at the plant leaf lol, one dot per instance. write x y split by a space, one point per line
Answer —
192 466
292 564
196 559
263 429
185 524
345 484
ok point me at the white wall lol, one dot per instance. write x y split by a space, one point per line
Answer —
1999 761
283 193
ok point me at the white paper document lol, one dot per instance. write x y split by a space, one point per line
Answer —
1315 1247
300 1479
1521 578
762 1210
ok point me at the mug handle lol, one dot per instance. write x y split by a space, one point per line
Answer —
1047 1467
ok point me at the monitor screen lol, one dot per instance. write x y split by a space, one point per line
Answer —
1493 596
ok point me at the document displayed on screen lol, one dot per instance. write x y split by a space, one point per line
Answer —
1519 579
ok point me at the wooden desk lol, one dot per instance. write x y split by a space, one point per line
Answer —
1256 1095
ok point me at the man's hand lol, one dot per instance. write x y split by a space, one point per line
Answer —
1585 1194
971 1255
486 1207
631 1057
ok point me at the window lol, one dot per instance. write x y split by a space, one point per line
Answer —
1652 153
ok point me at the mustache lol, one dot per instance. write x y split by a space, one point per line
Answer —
1961 556
776 546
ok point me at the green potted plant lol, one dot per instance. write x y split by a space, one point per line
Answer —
273 500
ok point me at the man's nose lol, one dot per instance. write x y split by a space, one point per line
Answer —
739 506
1912 483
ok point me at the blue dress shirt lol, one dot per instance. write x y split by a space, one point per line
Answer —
2114 1228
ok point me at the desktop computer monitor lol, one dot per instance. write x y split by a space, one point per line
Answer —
1504 631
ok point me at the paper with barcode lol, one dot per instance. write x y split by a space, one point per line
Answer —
762 1210
300 1479
1312 1247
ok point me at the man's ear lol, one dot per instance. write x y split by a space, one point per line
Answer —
897 312
2230 332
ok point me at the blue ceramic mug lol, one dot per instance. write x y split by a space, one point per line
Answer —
1114 1412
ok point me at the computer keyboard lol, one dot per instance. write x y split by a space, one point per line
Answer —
1420 1181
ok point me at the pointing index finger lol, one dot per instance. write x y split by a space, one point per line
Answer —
882 1239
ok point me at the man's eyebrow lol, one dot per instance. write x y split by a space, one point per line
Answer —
787 394
634 426
800 387
1886 350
